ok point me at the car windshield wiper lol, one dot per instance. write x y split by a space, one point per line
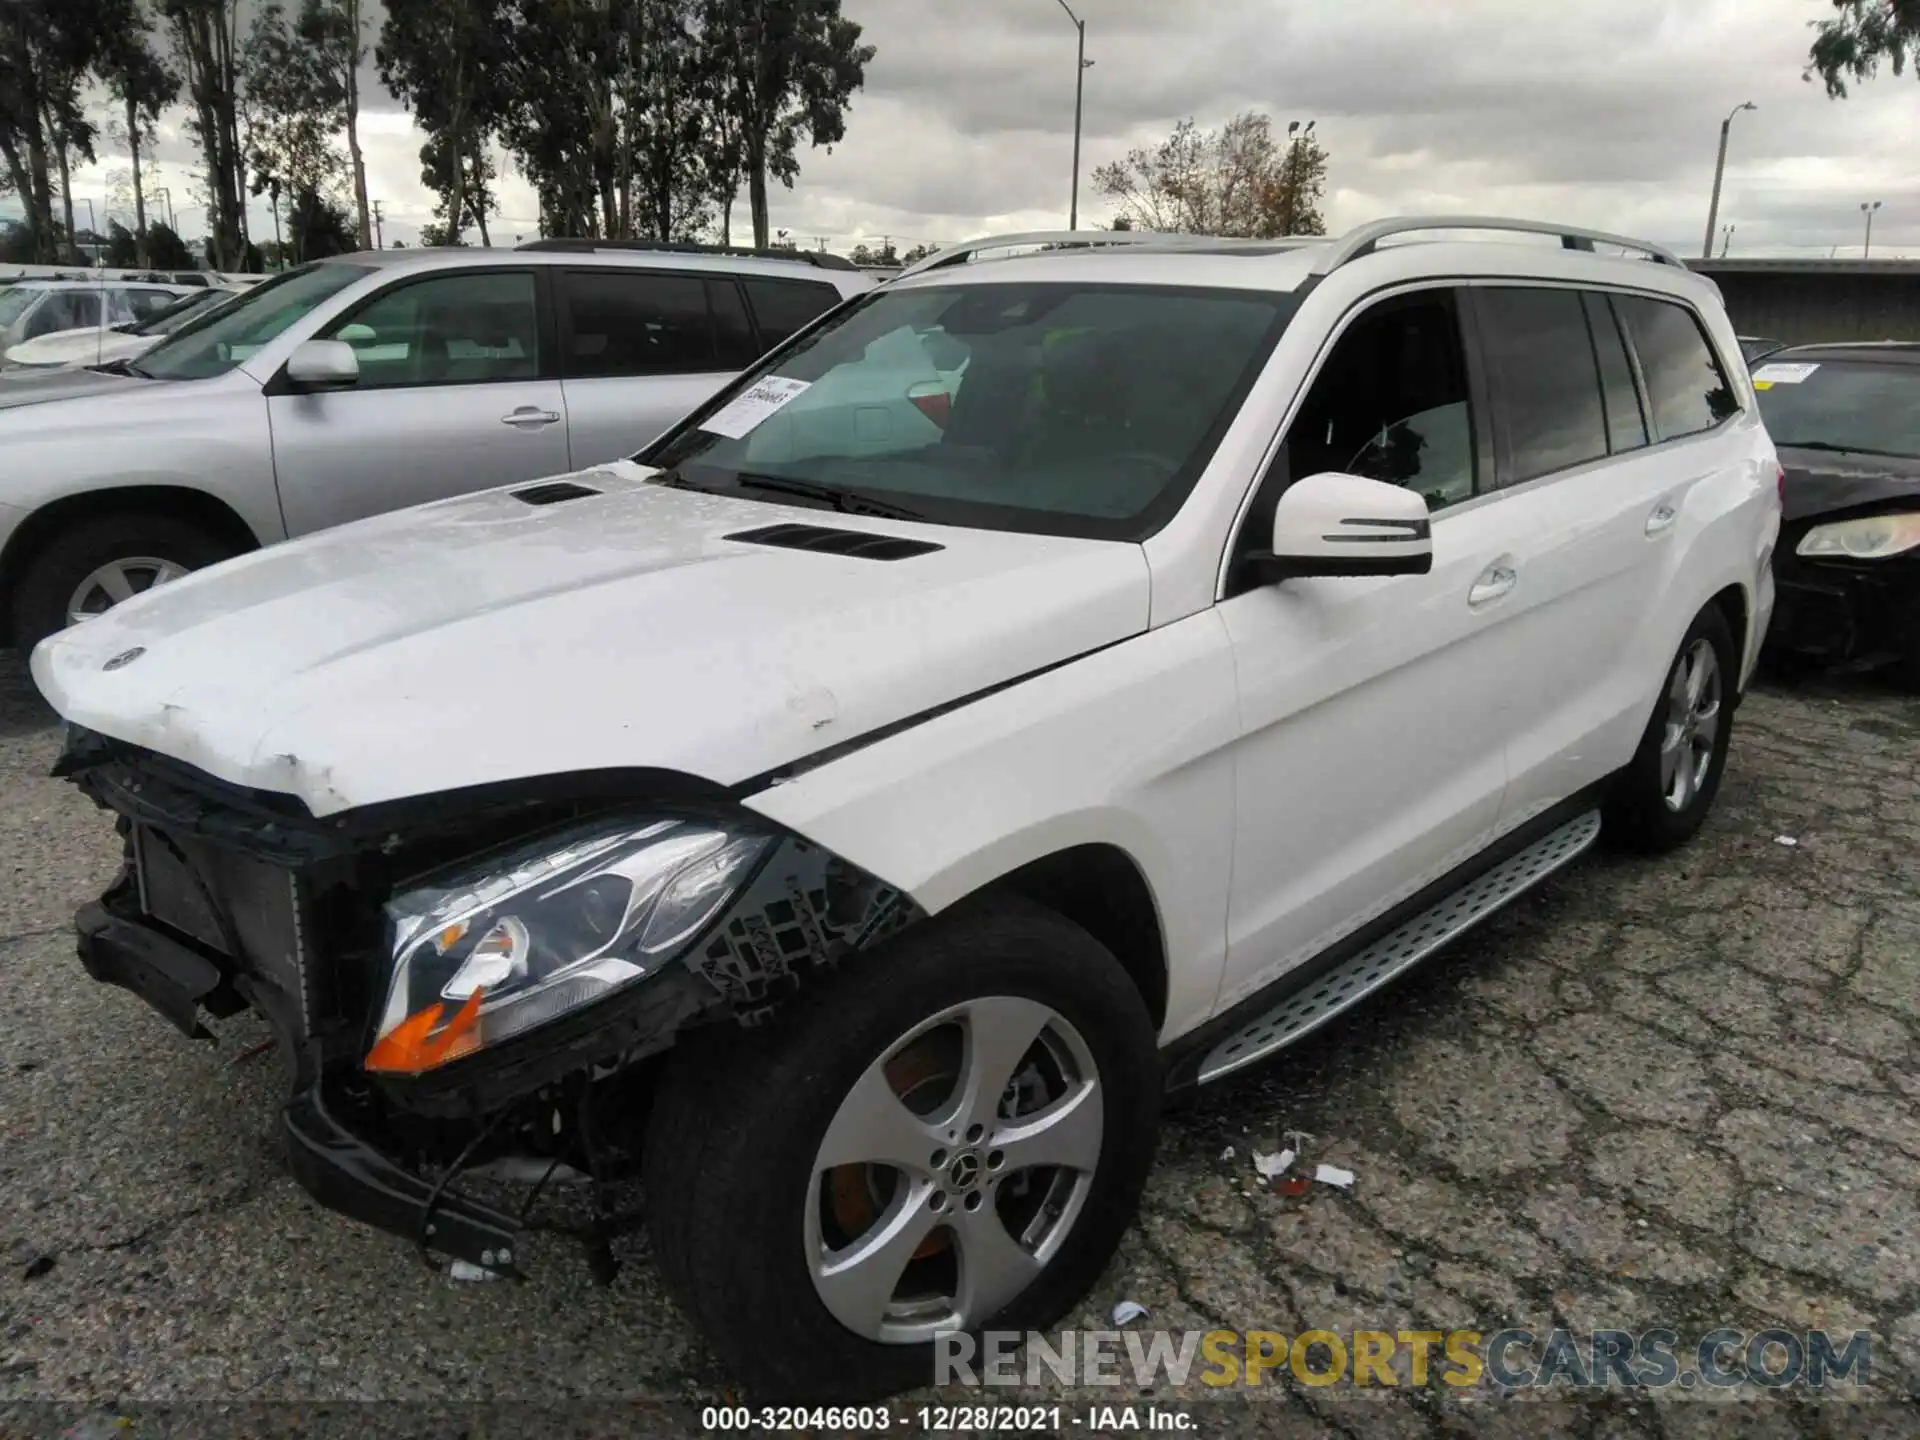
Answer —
847 502
1833 449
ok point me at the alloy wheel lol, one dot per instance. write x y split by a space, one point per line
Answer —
953 1170
119 580
1692 725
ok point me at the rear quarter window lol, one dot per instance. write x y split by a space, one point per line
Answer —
1687 388
782 307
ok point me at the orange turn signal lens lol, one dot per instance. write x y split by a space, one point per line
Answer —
415 1045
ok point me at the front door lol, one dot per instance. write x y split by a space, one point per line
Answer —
451 398
1371 756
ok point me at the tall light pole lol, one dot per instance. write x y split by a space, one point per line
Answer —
1726 241
161 191
1719 170
1866 250
1079 93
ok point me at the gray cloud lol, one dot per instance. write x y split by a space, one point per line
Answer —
1603 114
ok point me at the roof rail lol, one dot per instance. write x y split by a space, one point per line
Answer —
820 259
1365 240
956 254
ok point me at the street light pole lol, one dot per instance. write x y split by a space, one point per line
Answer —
1719 170
1866 250
1079 93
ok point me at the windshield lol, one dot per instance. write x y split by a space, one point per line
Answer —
1841 405
165 322
219 338
1067 409
13 303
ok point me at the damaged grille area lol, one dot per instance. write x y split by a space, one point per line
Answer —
806 909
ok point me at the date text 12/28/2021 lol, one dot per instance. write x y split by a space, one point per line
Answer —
945 1419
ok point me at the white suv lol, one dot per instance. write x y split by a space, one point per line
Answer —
853 828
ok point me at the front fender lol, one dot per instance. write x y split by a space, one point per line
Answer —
1129 747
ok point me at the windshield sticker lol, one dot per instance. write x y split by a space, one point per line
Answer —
747 410
1767 376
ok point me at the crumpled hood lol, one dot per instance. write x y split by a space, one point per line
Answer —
483 639
1821 482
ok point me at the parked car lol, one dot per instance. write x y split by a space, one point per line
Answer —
352 386
30 309
1847 421
1756 347
123 341
857 838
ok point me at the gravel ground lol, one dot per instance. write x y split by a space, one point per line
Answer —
1674 1093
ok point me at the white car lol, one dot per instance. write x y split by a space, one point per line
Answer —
857 840
30 309
124 340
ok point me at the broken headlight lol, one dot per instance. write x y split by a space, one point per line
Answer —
533 933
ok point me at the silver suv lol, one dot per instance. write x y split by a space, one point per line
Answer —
363 384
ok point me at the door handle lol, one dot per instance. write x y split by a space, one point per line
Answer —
1492 583
530 417
1662 518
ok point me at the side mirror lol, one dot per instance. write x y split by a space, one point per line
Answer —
1334 524
357 334
323 365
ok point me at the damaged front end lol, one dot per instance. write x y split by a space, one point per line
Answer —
462 976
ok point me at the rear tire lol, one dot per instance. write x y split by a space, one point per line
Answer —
1662 797
73 557
747 1210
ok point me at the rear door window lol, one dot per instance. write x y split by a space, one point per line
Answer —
638 322
782 307
1548 411
1686 385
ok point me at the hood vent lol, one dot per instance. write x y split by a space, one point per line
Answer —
553 492
860 544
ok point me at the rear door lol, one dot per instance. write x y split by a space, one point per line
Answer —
455 394
1597 502
640 348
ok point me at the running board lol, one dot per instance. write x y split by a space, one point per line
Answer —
1398 951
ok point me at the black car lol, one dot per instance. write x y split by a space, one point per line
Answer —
1846 419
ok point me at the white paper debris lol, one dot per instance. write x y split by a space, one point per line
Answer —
1227 1154
1333 1175
1786 840
1127 1311
1783 374
466 1270
1272 1167
741 415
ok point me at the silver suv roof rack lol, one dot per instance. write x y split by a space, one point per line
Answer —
957 254
1365 240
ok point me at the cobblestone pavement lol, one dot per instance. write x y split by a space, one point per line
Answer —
1670 1093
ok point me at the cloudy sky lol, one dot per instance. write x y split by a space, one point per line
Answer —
1605 114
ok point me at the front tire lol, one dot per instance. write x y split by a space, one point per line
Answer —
1663 795
951 1133
88 567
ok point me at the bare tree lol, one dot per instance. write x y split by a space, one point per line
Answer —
1237 180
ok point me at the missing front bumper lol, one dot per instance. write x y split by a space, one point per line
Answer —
335 1164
